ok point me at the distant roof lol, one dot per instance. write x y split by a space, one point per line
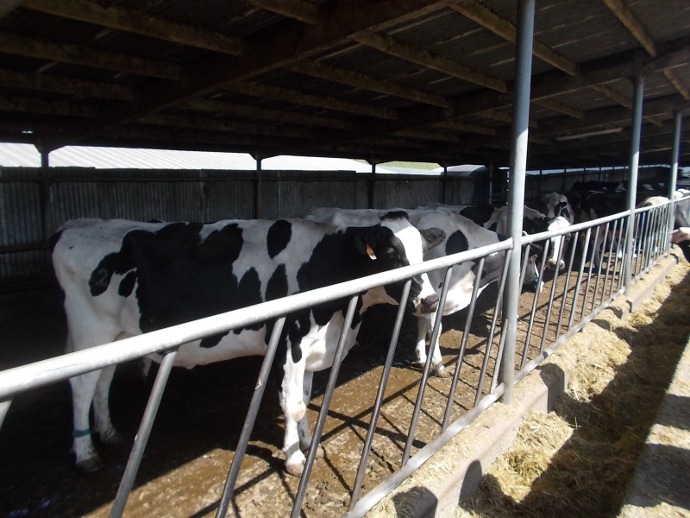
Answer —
26 155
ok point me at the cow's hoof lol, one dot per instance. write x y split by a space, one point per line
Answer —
112 438
320 452
441 372
88 466
295 470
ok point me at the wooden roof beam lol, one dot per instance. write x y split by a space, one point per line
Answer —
637 29
634 26
138 22
359 80
400 49
65 85
479 13
255 112
299 98
300 10
87 57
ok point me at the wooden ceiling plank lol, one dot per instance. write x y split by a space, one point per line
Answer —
634 26
677 83
283 45
43 107
507 30
560 107
359 80
254 112
226 126
138 22
396 47
64 85
85 56
300 10
299 98
466 128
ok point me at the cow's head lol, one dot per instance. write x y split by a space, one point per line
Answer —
396 243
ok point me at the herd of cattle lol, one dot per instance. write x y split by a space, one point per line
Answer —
123 278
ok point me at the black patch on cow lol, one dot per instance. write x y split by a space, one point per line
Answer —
277 285
279 235
457 242
535 225
127 284
180 276
480 214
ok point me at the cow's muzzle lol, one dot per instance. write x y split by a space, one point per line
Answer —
551 263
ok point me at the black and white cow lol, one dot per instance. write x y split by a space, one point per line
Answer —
462 234
533 222
555 204
123 278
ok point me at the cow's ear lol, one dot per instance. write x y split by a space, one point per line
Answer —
370 252
432 237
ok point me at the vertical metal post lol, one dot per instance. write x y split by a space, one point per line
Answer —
258 192
518 165
44 189
372 187
675 151
636 129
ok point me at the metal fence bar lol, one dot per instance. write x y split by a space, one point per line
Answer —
427 366
249 421
463 346
378 403
143 434
321 420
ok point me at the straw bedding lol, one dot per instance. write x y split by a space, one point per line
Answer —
579 459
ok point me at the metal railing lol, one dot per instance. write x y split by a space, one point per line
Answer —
570 298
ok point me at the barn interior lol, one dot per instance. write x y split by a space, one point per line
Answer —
376 81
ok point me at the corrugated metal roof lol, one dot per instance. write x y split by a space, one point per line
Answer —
26 155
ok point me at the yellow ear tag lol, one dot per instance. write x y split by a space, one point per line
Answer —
370 252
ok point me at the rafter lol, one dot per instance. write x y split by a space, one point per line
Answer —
138 22
506 29
395 47
634 26
299 98
359 80
301 10
86 56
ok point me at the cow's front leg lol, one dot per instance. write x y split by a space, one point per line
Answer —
83 388
294 409
305 436
424 326
101 410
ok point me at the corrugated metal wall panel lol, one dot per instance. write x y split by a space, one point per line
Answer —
185 196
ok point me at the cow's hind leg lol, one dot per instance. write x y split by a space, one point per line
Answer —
101 410
83 389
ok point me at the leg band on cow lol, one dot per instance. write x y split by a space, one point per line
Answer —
81 433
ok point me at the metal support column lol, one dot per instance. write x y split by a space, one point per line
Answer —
636 129
516 196
45 195
675 151
258 192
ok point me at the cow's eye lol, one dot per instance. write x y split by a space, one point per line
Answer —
390 252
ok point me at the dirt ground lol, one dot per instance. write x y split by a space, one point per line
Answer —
200 419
